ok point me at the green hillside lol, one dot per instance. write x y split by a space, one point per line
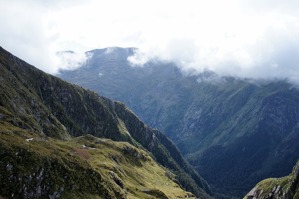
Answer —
83 167
50 143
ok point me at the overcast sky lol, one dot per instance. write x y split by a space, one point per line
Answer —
246 38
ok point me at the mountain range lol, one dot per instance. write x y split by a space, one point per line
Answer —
58 140
234 132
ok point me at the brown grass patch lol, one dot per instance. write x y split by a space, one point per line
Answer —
82 153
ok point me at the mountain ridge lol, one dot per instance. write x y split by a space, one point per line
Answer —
33 101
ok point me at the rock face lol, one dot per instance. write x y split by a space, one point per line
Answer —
39 112
234 132
280 188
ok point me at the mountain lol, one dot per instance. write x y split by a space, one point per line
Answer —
60 140
284 188
234 132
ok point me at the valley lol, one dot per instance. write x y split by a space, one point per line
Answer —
234 132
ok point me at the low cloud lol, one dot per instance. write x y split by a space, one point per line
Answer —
69 60
273 54
138 59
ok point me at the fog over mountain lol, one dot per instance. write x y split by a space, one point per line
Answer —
251 39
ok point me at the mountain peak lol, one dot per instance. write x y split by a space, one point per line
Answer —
114 50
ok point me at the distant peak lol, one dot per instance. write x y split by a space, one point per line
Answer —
113 51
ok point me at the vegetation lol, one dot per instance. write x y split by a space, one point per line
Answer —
98 168
50 145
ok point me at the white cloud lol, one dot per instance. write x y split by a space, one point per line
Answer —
246 38
69 60
139 59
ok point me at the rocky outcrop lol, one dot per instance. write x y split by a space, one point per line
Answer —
25 173
281 188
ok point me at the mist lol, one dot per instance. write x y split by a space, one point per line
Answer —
241 38
275 55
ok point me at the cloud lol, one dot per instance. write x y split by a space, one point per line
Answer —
69 60
21 35
27 32
260 45
244 38
139 59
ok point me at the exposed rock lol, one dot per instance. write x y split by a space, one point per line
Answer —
9 167
281 188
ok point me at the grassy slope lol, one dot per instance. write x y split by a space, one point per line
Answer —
103 169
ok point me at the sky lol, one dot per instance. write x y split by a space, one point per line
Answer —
243 38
